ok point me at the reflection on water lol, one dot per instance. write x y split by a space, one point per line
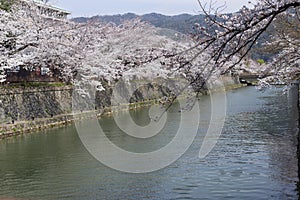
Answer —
255 158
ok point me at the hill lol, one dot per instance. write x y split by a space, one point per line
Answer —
182 23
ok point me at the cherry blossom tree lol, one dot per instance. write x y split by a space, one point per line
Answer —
230 35
98 52
30 39
134 49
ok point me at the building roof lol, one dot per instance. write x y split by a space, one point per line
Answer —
47 5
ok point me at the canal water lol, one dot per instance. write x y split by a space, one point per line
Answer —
255 158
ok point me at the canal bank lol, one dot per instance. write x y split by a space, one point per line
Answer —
25 109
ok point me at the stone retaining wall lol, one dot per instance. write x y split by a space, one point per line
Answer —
27 109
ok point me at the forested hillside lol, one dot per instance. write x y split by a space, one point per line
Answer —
182 23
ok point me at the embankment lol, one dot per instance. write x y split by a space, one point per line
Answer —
28 109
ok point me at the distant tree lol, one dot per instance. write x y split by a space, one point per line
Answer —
260 61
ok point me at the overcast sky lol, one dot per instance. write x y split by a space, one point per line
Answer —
167 7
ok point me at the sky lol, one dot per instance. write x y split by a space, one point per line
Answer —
89 8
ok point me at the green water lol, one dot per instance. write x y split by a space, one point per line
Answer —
255 158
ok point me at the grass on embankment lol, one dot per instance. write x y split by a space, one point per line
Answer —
33 84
